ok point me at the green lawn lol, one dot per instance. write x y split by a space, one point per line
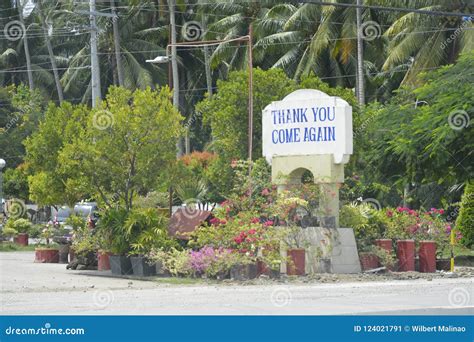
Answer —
12 247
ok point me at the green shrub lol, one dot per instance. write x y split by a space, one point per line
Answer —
465 220
76 222
176 262
84 241
147 229
17 226
35 230
153 199
111 228
358 218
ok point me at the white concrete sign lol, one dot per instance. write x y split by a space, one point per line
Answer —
307 122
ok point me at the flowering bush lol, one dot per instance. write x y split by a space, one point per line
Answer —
176 262
405 223
247 234
215 261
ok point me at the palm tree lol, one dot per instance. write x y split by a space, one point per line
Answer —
429 40
138 40
234 18
44 17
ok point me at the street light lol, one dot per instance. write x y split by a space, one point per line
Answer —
248 38
159 60
2 165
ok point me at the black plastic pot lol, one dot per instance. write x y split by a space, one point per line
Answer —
64 254
120 265
141 267
244 272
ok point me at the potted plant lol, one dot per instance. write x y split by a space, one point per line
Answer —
47 252
84 244
112 225
242 267
18 229
295 243
147 229
368 258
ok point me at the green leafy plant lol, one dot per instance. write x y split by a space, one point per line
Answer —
111 229
465 220
84 241
15 226
176 262
147 229
76 222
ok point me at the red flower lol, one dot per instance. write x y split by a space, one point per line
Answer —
265 192
268 223
255 220
389 213
214 221
252 231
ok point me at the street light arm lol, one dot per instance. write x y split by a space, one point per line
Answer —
204 43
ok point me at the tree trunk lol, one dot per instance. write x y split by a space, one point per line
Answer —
118 57
26 47
51 54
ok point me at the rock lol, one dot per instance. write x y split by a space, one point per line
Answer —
264 277
451 275
92 286
81 267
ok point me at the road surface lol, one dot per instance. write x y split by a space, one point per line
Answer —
38 289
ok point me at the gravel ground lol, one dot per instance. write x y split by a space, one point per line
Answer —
29 288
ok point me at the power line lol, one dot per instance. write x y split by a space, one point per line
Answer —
390 9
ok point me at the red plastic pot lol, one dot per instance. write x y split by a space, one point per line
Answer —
296 263
262 268
406 255
21 239
47 255
427 254
368 261
385 244
103 261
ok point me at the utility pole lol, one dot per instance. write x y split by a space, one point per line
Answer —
174 66
250 118
95 71
207 60
25 46
360 57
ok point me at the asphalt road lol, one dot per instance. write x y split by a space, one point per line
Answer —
29 288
